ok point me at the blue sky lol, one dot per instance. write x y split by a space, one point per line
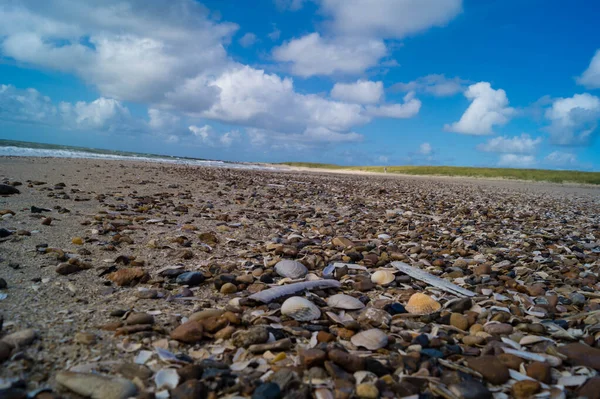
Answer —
442 82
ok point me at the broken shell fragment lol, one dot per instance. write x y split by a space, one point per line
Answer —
372 339
422 304
343 301
300 309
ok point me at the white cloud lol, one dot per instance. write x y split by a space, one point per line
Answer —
590 78
104 114
488 108
207 135
204 132
248 39
425 149
408 109
436 85
388 18
160 120
559 158
26 106
314 55
573 120
228 138
515 145
274 34
359 92
516 161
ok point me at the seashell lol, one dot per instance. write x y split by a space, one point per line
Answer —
382 277
269 295
205 314
533 339
323 393
300 309
422 304
365 377
127 346
142 357
290 268
342 301
342 318
372 339
166 378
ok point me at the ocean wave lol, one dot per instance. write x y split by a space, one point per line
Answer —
56 153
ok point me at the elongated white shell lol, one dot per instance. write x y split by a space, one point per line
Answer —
290 268
300 309
343 301
382 277
372 339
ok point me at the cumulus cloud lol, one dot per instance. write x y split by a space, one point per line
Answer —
408 109
26 106
436 85
359 92
488 108
355 33
208 136
314 55
559 158
103 114
573 120
516 161
425 149
523 144
590 78
248 39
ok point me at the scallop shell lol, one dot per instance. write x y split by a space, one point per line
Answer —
342 301
300 309
290 268
422 304
372 339
382 277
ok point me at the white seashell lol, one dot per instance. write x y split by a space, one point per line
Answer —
290 268
533 339
365 377
342 318
382 277
323 393
300 309
343 301
166 378
525 355
384 237
143 357
372 339
572 381
127 346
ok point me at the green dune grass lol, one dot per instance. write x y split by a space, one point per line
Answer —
555 176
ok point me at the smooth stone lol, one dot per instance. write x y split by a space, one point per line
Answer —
228 288
511 361
5 351
6 189
498 329
133 370
190 278
470 390
347 361
312 357
459 321
461 306
189 332
577 299
96 386
367 391
85 338
21 338
525 389
490 368
581 355
540 371
591 389
268 390
473 340
190 372
139 318
190 389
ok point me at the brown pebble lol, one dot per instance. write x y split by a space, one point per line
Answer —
459 321
189 332
85 338
490 368
312 357
540 371
525 389
511 361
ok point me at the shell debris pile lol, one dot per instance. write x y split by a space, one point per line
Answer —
122 279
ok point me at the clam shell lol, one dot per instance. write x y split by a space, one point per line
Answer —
422 304
300 309
290 268
343 301
372 339
382 277
166 378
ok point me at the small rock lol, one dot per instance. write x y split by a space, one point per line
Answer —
581 355
482 269
577 299
525 389
470 390
189 332
591 389
5 233
347 361
139 318
461 306
133 370
312 357
85 338
459 321
3 284
190 278
367 391
225 333
324 336
21 338
5 350
540 371
77 241
374 317
267 390
473 340
47 221
252 336
490 368
228 288
125 277
190 389
498 328
96 386
5 189
511 361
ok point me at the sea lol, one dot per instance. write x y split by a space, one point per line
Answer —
15 148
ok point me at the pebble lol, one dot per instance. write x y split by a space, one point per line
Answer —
267 390
252 336
367 391
312 357
191 389
190 332
96 386
85 338
540 371
228 288
470 390
498 328
525 389
190 278
6 189
459 321
21 338
3 284
5 351
581 355
490 368
591 389
129 276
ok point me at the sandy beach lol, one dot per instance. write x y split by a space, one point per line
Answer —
94 279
